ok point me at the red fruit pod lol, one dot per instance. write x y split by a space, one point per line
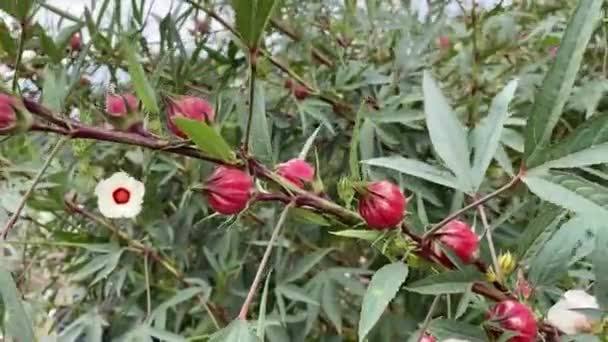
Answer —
514 316
228 190
189 107
427 338
382 205
460 238
121 105
300 92
8 117
76 42
297 171
444 42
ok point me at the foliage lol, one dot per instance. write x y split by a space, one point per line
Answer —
475 116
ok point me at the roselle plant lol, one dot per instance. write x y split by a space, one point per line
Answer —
265 170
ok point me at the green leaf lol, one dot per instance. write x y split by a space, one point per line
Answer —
445 328
55 87
252 18
418 169
381 290
362 234
206 138
237 331
448 135
18 323
260 140
306 264
591 133
600 267
263 307
309 142
539 230
180 297
558 83
330 302
488 134
295 293
447 282
572 241
143 88
569 191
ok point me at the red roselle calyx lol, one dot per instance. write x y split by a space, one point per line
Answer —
515 316
228 190
188 107
76 42
13 115
427 338
458 237
121 105
382 204
444 42
298 90
297 171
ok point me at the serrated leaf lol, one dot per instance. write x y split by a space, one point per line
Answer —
330 302
600 267
539 230
381 290
143 88
237 331
180 297
570 192
295 293
18 323
418 169
447 282
363 234
558 83
446 328
448 135
206 138
306 264
572 241
488 134
251 19
260 139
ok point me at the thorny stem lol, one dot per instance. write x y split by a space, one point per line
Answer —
13 220
258 276
475 203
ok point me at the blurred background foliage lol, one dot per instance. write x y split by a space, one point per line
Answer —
362 63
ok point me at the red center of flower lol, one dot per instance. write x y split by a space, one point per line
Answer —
121 195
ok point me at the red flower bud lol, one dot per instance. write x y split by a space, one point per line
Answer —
121 105
8 118
427 338
296 171
298 90
515 316
76 42
444 42
382 205
188 107
228 190
459 237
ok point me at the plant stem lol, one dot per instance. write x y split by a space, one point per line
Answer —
427 319
484 221
252 68
148 295
20 48
11 222
474 204
258 276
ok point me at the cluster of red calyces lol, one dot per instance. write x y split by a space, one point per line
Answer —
7 112
118 105
514 316
298 90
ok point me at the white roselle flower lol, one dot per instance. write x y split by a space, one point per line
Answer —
571 322
120 196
